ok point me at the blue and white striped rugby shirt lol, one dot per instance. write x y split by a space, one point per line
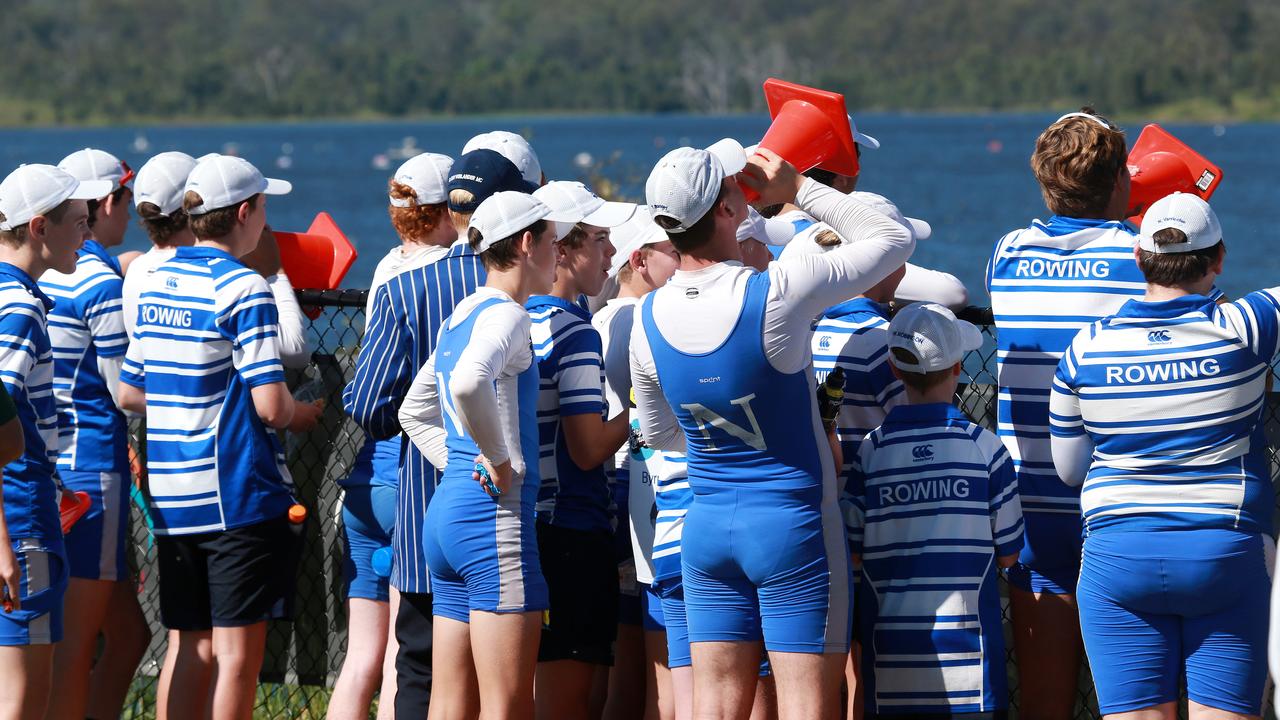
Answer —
571 382
934 503
1172 394
85 324
207 333
26 368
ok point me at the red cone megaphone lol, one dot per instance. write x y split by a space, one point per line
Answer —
319 258
810 129
1160 165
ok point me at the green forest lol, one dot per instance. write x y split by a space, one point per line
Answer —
114 61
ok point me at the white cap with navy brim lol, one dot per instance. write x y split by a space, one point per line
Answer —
162 180
36 189
686 181
428 175
1185 212
511 146
508 212
934 335
224 180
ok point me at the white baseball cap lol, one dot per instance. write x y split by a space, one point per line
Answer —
92 164
512 147
632 235
862 139
506 213
162 181
686 181
920 230
933 334
766 230
1185 212
573 198
224 180
33 190
427 174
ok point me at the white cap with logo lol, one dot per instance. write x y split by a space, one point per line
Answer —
1185 212
767 230
225 180
934 335
512 147
508 212
428 175
575 200
632 235
33 190
686 181
92 164
162 181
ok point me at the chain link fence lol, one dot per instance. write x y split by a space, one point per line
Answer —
305 655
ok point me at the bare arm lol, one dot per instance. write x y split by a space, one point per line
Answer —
131 398
12 441
592 440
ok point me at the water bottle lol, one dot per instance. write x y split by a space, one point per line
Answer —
831 397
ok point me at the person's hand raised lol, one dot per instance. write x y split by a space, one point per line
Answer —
775 180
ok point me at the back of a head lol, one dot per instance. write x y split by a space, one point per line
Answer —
1180 241
1077 160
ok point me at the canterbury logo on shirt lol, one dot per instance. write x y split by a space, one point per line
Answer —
922 452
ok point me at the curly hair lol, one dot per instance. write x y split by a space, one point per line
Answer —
1076 161
416 221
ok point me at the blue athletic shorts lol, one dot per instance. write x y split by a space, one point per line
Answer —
1154 605
482 552
38 620
790 584
1050 557
368 517
651 618
98 542
670 593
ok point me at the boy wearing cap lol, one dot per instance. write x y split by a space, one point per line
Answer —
575 514
478 174
204 365
411 296
43 223
934 511
472 409
513 147
87 331
1157 411
720 366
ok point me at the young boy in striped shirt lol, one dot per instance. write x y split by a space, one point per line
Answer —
204 365
43 221
934 511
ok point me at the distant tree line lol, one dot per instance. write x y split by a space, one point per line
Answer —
116 60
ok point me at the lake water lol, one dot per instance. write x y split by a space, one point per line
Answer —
967 175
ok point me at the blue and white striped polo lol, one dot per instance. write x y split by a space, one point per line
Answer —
934 503
207 334
1172 394
85 324
571 382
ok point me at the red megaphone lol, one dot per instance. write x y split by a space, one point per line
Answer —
71 507
810 129
317 259
1160 165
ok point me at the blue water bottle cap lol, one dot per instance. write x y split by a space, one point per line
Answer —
382 562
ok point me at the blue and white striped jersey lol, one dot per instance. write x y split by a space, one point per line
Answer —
1172 395
571 382
934 503
207 333
855 336
85 324
1047 282
401 333
26 368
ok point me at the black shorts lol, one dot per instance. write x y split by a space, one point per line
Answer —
230 578
581 570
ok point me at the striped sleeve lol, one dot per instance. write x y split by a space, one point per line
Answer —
1064 405
19 325
133 371
246 315
101 300
854 502
580 370
1006 505
383 373
1256 319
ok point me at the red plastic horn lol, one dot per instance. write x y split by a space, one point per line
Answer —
317 259
1160 165
810 129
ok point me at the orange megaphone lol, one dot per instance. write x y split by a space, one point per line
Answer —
1160 165
810 129
71 507
319 258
